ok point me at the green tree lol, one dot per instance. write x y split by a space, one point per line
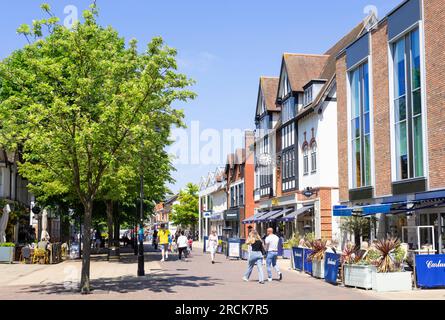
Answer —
78 100
186 213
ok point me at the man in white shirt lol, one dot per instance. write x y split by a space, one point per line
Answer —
182 243
272 242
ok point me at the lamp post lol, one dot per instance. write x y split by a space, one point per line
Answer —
141 271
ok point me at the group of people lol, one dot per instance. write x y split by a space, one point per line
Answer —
258 250
170 243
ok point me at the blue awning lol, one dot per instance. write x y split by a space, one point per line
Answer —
218 216
376 209
255 217
293 214
267 215
276 215
342 211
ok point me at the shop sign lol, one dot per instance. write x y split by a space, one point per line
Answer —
231 215
234 250
331 265
430 271
207 214
298 254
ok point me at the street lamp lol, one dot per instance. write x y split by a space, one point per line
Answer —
141 271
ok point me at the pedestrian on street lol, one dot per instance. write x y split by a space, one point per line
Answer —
212 244
182 244
272 242
155 239
190 239
256 257
163 240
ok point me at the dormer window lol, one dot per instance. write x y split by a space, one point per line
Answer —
308 95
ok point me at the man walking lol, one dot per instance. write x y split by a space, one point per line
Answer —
271 242
163 240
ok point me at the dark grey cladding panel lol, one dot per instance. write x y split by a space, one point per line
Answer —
404 17
357 51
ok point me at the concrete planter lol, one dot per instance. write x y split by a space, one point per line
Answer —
318 269
7 254
359 276
394 281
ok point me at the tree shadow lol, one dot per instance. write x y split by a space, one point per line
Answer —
155 283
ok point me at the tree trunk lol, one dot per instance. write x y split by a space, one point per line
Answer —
85 277
110 205
117 228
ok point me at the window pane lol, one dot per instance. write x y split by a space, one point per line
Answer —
417 102
366 88
355 93
415 59
401 151
418 147
400 112
367 161
367 123
356 154
356 128
399 69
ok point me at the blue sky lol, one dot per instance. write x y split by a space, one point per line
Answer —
224 45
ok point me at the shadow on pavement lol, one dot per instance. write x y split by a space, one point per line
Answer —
157 283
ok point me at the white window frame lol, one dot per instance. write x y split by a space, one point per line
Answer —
420 26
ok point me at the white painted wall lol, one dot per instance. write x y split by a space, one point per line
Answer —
325 130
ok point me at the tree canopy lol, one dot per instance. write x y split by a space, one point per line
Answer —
83 108
186 213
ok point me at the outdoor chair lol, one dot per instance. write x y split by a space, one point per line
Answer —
39 255
25 255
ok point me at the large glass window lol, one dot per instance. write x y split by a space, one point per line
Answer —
408 107
360 126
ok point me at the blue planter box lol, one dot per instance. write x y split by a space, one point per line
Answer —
307 263
298 256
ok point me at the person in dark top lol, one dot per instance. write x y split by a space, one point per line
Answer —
256 257
155 239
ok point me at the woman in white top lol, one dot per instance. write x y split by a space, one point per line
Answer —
182 243
212 244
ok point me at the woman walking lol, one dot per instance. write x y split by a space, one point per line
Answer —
256 256
212 244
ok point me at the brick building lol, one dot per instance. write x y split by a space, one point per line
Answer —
391 120
296 144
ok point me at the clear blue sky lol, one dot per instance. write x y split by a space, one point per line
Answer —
224 45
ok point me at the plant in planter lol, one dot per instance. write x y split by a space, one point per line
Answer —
219 249
357 271
7 251
317 257
389 274
288 245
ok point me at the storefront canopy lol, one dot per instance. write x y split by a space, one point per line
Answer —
255 217
217 216
343 211
277 215
265 217
292 214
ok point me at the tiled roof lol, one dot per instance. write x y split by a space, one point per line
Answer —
329 69
301 68
269 88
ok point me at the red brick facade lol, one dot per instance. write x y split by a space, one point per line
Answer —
434 22
380 85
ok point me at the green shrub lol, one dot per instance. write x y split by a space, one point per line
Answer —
7 245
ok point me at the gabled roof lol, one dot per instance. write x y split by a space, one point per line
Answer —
328 71
269 88
301 68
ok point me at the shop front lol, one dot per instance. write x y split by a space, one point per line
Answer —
231 227
216 222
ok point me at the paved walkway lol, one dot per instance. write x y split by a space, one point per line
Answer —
196 279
